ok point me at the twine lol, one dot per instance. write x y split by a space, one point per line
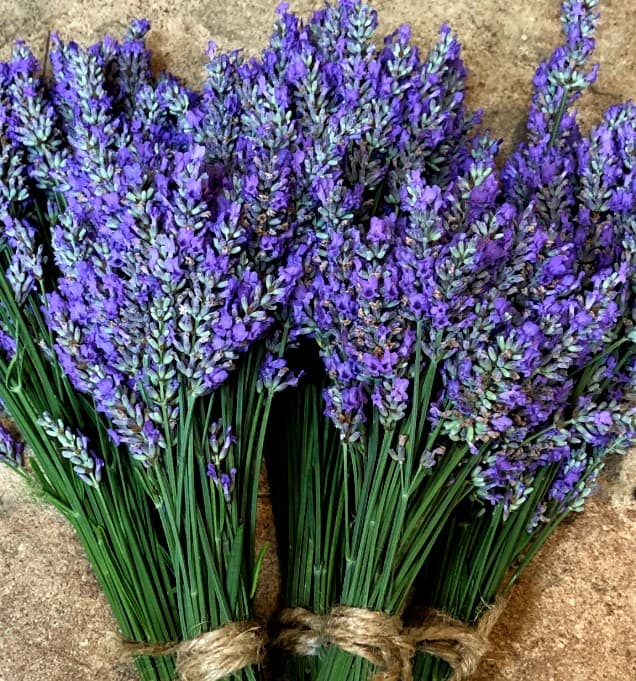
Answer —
385 642
212 655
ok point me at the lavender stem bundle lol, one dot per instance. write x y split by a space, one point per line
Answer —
578 288
134 306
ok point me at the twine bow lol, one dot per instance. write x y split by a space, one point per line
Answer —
212 655
385 642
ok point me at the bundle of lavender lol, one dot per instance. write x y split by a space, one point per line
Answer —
564 295
476 334
136 294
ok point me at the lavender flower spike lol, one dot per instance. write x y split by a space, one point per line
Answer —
11 449
74 447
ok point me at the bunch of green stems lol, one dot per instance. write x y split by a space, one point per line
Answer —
173 556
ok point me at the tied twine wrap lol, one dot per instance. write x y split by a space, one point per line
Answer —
212 655
384 641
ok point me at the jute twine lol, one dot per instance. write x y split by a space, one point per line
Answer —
384 641
210 656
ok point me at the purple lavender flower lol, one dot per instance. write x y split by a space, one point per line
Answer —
397 114
275 375
340 187
224 481
25 124
220 443
546 160
11 448
154 289
74 446
563 295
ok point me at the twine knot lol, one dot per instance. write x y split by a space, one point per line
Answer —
385 642
212 655
375 636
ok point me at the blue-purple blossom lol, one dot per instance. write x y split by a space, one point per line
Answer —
11 447
220 441
276 376
340 189
224 481
513 285
561 293
75 447
401 114
150 237
220 444
26 126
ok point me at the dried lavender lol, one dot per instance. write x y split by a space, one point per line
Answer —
156 285
90 480
176 283
74 447
174 259
560 377
378 233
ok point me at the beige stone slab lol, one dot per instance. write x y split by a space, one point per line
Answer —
571 617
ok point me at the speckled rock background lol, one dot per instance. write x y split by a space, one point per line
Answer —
571 617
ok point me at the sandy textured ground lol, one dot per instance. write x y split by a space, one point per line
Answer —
572 615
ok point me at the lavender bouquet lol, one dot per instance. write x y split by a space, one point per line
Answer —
327 216
71 452
557 348
476 333
136 296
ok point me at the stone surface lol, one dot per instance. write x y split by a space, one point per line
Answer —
571 615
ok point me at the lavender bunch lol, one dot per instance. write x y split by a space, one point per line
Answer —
88 478
337 123
326 216
389 312
152 318
380 299
551 361
147 282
